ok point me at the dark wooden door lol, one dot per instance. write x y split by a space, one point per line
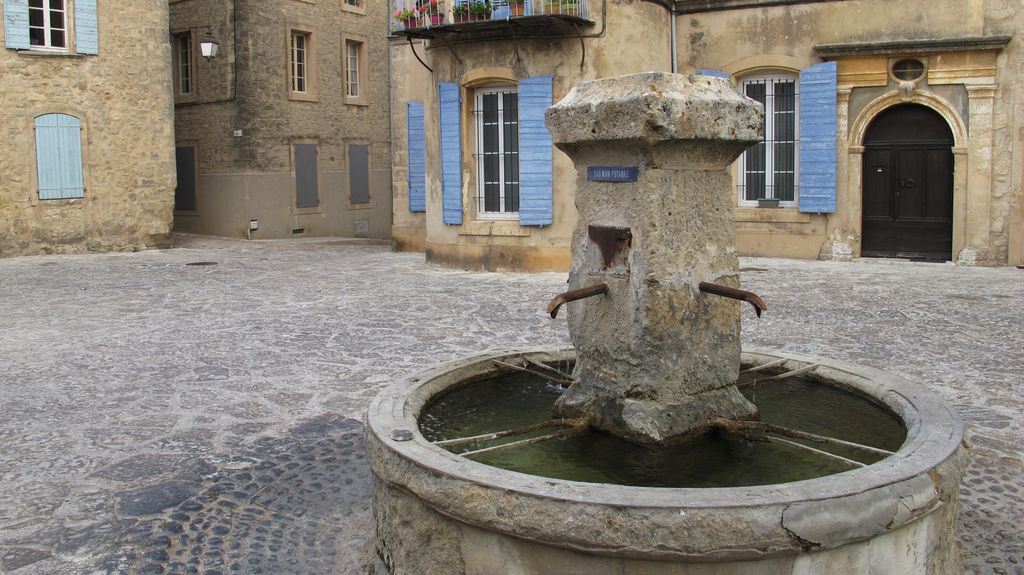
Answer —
908 186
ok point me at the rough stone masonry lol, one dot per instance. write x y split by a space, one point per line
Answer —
657 359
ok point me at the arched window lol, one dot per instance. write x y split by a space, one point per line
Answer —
768 170
59 157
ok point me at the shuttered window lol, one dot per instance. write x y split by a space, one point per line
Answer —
535 182
417 157
818 130
306 180
59 157
185 193
43 25
359 173
451 153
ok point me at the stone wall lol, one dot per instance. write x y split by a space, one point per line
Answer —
248 174
122 97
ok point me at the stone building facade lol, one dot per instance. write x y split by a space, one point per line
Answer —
285 132
893 130
87 157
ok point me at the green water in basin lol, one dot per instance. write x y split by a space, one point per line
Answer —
715 459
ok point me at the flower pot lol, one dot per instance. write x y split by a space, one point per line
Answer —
408 23
767 202
436 19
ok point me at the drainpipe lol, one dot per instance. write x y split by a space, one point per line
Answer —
675 54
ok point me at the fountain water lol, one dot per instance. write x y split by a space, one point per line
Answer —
656 362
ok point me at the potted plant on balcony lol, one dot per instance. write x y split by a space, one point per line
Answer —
480 10
567 7
432 9
407 18
460 13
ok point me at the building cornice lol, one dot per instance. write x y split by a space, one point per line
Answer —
912 46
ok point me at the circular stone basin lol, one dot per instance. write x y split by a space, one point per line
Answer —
517 400
438 512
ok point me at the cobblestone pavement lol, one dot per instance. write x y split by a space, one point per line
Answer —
162 417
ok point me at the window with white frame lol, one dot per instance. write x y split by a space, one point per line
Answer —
768 170
47 24
497 152
299 62
352 68
184 64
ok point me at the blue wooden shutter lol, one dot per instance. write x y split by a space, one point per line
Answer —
818 138
534 152
713 73
306 185
359 173
59 157
417 157
16 24
87 39
451 153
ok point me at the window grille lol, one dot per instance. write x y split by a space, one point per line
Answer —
768 169
497 152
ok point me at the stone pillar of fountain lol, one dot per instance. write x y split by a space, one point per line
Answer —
657 359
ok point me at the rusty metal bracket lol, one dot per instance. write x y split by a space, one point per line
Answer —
413 48
611 241
573 295
733 293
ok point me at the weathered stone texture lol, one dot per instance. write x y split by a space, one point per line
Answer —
122 97
657 359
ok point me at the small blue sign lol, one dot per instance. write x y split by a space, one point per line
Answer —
612 174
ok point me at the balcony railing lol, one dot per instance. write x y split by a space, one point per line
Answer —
424 18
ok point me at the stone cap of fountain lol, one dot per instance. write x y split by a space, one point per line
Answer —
655 107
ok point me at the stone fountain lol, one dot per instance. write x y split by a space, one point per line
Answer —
656 362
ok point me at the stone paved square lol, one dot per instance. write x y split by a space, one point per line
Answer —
158 416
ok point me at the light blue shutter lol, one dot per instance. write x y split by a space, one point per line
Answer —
16 24
86 30
713 73
59 157
818 138
534 152
417 157
451 153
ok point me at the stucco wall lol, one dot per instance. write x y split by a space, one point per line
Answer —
122 97
633 38
251 176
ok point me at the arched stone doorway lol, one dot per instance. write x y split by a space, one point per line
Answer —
908 185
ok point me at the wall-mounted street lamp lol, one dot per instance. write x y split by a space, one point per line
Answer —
208 46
